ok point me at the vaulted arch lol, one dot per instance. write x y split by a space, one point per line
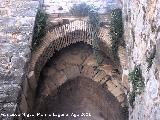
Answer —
60 37
77 31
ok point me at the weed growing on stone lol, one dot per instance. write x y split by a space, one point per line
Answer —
80 10
94 21
39 28
84 10
135 77
116 31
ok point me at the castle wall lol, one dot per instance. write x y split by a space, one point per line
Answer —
17 19
142 33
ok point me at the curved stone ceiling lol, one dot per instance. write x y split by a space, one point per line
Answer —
66 35
79 60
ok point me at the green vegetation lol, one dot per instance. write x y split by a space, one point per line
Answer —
116 31
80 10
151 57
94 21
84 10
135 77
39 28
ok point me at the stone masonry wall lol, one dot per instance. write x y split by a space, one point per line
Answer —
142 33
16 28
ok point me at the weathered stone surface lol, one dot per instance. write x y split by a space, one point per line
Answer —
110 85
24 8
107 69
8 108
16 27
9 93
18 62
117 91
141 35
99 76
125 81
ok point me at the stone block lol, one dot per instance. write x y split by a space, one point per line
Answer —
107 69
116 82
110 85
100 76
105 79
117 91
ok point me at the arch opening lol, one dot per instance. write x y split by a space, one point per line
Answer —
75 63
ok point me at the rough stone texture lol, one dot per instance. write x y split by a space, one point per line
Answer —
52 79
60 37
142 32
16 28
